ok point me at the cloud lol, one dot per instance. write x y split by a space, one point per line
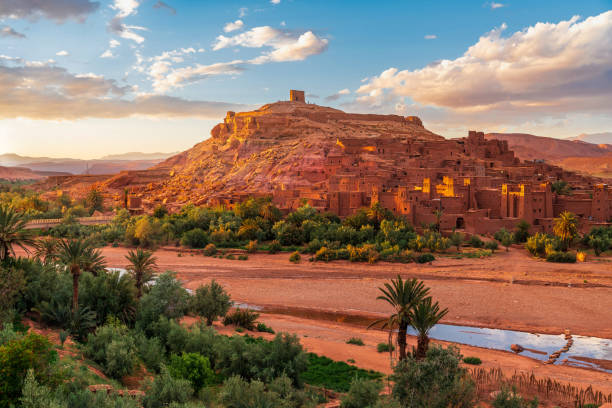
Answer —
165 78
62 53
242 11
126 8
337 95
113 43
431 37
107 54
44 91
7 31
547 69
57 10
494 5
275 1
236 25
286 45
161 4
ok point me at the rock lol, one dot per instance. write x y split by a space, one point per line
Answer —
517 348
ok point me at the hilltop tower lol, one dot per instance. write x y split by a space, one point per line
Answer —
297 96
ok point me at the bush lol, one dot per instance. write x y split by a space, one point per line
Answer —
472 360
295 257
356 341
193 367
476 242
239 393
167 297
438 381
210 250
113 348
261 327
492 245
561 257
363 393
325 254
210 301
334 375
243 257
195 238
251 247
165 389
425 258
244 318
275 247
521 233
507 399
538 243
19 355
384 347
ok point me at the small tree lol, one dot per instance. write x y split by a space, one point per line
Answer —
456 239
599 244
424 316
12 232
211 302
522 231
565 227
193 367
142 267
95 200
363 393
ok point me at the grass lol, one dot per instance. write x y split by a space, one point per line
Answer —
355 341
384 347
261 327
334 375
472 360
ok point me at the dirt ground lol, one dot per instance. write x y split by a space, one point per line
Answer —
327 303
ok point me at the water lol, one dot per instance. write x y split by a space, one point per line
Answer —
538 346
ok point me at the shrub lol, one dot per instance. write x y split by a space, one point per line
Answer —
492 245
150 351
35 395
261 327
561 257
244 318
210 301
476 242
536 244
599 244
195 238
113 348
438 381
193 367
334 375
210 250
472 360
510 399
167 297
243 257
160 211
295 257
384 347
19 355
230 257
165 389
363 393
252 247
356 341
425 258
275 247
521 233
325 254
239 393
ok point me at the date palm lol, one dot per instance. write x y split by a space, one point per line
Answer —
78 255
142 267
403 296
12 232
565 228
423 317
46 249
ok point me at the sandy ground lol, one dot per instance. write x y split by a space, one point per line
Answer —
325 304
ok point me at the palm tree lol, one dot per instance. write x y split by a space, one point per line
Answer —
12 232
423 317
565 228
142 267
403 296
46 249
78 255
93 260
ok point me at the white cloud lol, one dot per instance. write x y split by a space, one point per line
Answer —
286 45
58 10
236 25
126 8
494 5
164 79
275 1
113 43
546 68
338 95
431 37
107 54
62 53
242 11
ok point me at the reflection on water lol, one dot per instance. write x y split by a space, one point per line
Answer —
582 353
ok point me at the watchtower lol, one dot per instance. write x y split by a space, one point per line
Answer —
296 96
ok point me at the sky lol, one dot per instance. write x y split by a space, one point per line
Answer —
87 78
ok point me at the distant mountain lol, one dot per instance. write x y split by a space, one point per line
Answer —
107 165
22 173
597 138
139 156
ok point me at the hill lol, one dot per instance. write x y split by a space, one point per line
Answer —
596 138
23 173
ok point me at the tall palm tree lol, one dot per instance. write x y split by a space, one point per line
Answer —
142 267
12 232
93 260
565 228
78 255
403 296
423 317
46 249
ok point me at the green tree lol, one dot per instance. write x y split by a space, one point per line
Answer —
456 239
522 231
193 367
210 301
142 267
78 255
402 296
423 317
46 249
364 393
95 200
565 227
561 187
12 232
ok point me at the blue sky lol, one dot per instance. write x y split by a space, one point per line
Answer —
86 78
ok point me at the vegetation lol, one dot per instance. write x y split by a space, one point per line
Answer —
355 341
12 232
424 315
142 267
244 318
472 360
335 375
210 301
385 347
565 228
